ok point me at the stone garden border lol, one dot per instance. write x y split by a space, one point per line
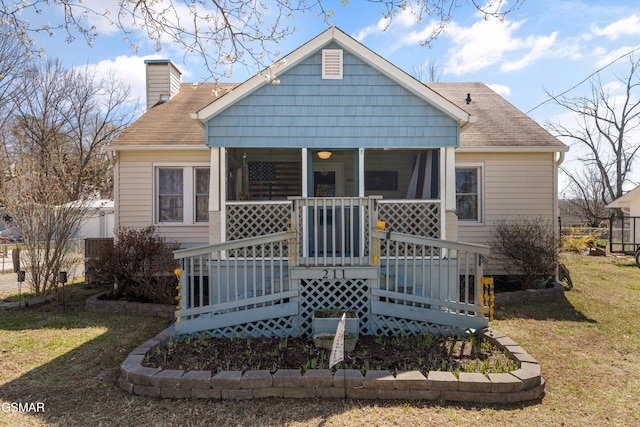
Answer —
525 383
529 295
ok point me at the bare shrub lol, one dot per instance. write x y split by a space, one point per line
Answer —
140 264
528 247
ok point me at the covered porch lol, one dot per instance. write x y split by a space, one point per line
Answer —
270 284
253 192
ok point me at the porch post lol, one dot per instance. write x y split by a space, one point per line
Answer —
448 215
216 182
305 173
302 228
360 172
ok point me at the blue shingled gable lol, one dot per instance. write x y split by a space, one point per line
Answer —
364 109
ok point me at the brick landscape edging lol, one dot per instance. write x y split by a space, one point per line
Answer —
525 383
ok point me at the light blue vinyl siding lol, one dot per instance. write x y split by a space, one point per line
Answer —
364 109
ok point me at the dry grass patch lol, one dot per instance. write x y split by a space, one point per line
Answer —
587 344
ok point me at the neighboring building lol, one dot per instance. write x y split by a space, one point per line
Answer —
624 233
98 221
335 126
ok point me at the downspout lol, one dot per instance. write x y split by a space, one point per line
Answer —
556 208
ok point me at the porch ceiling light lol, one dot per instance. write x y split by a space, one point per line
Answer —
324 154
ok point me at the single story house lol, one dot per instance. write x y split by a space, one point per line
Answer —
275 188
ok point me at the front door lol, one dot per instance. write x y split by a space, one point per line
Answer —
334 225
328 179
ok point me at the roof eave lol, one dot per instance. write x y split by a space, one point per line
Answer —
513 148
188 147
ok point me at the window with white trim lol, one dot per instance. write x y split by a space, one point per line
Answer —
469 193
182 194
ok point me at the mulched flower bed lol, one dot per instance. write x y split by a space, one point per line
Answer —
424 353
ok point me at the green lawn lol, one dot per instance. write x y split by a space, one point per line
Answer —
587 343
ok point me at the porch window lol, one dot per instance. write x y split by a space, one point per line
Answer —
261 174
402 174
468 193
182 194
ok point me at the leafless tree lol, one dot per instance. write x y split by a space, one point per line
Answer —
62 121
607 127
428 72
586 197
222 32
13 62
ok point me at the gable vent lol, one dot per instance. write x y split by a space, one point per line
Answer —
332 64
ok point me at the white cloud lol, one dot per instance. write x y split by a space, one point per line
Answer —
130 70
617 29
401 21
418 36
605 57
491 41
539 46
378 28
481 45
501 90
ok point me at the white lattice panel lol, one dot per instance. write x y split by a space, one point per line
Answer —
353 294
249 219
283 327
390 326
420 219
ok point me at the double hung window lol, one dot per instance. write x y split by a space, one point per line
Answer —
469 193
182 194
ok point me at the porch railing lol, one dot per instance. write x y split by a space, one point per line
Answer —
430 280
416 217
334 230
256 218
237 282
399 282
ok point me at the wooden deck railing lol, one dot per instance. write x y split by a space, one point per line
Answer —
235 281
405 283
334 230
441 276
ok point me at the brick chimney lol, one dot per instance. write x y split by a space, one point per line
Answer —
163 81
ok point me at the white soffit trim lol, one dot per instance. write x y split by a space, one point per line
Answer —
376 61
158 148
513 149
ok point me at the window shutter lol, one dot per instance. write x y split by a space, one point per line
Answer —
332 64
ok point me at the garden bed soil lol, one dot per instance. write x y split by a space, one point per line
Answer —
424 353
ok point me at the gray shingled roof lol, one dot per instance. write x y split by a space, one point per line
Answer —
170 123
499 124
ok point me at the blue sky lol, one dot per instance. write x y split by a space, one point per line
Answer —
550 45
